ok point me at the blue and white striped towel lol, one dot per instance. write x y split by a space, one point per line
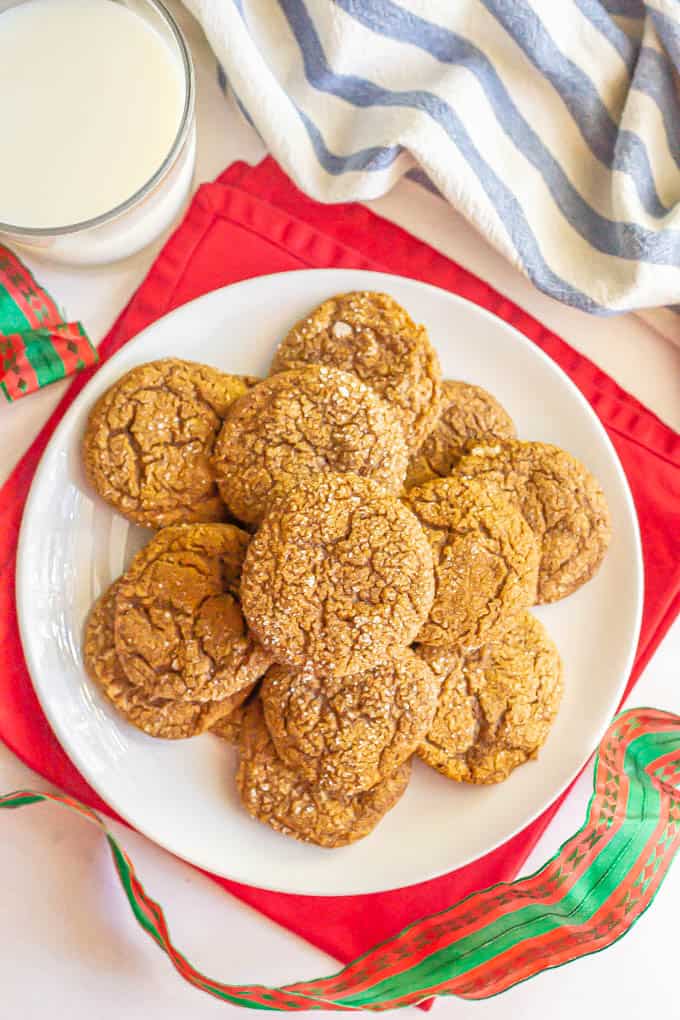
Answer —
552 125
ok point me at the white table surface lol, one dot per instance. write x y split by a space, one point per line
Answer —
68 944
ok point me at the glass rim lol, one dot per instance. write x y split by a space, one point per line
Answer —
175 149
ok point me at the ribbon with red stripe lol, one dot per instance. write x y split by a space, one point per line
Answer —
36 346
601 880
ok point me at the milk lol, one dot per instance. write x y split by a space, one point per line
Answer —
91 102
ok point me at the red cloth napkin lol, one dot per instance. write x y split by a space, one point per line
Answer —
254 221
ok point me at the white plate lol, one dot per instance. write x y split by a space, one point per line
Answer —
181 793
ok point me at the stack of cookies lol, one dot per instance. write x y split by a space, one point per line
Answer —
345 557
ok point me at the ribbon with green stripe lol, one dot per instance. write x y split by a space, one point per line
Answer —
582 900
36 346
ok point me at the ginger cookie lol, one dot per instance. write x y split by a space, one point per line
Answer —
466 412
371 335
156 716
560 500
274 793
496 705
296 424
229 727
485 558
338 575
149 440
346 734
179 630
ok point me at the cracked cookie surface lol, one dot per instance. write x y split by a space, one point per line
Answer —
561 501
296 424
179 629
149 439
496 705
156 716
466 412
371 335
346 734
275 794
485 558
338 575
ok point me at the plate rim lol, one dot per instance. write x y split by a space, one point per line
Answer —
22 584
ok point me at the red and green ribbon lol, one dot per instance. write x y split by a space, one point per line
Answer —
586 897
36 346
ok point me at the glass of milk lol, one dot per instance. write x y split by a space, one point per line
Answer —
97 127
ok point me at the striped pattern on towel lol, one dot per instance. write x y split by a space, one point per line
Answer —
553 127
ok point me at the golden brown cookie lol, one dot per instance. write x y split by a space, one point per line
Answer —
496 705
296 424
229 727
371 335
485 558
338 575
149 440
179 630
346 734
466 412
275 794
560 500
159 717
